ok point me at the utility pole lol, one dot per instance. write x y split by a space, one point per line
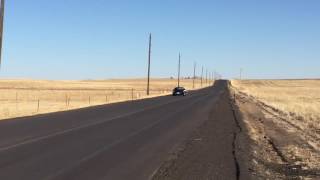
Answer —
194 73
179 70
206 76
212 77
1 28
201 75
241 73
149 62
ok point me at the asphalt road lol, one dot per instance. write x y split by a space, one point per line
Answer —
127 140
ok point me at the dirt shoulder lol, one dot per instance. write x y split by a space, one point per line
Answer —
211 152
279 147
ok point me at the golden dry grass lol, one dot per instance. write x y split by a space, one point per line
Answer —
21 97
301 97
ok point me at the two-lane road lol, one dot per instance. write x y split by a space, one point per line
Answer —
118 141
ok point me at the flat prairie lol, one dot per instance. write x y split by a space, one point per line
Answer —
295 97
29 97
282 119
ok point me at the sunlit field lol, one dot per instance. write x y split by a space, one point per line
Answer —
301 97
29 97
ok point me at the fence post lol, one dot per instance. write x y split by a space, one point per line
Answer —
66 100
38 105
132 94
16 101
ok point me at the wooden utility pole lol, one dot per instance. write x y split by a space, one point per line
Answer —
179 70
1 27
194 73
149 62
206 76
201 76
212 77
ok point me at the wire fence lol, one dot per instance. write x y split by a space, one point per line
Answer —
24 102
20 98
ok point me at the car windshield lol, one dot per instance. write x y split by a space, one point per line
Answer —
179 89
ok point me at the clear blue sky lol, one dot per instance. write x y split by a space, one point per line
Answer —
99 39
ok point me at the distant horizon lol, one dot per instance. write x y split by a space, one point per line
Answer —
144 78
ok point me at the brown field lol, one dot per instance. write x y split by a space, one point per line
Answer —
300 98
29 97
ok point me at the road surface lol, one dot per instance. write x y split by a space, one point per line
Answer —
127 140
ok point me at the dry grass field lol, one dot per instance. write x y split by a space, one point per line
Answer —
298 97
29 97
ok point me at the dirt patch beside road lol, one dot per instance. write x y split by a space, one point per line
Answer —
279 149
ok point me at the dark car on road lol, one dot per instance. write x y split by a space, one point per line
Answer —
179 91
